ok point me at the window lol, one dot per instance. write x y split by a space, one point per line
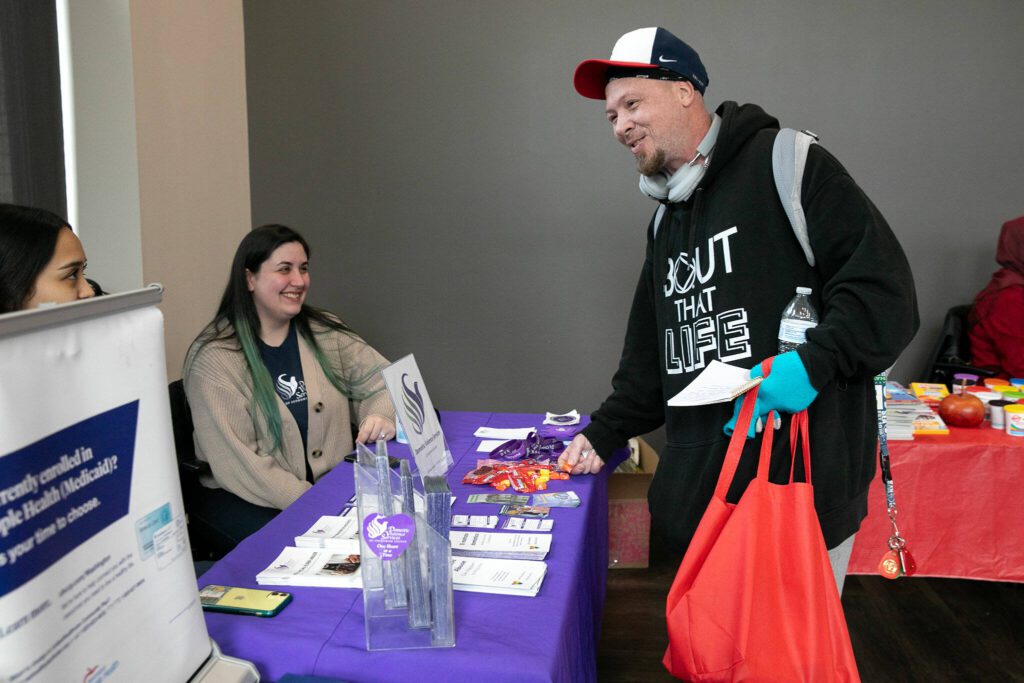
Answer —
31 138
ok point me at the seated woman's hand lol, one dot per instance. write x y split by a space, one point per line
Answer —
375 427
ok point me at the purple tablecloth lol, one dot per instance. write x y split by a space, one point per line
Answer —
551 637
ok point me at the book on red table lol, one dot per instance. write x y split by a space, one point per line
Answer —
897 393
929 423
929 392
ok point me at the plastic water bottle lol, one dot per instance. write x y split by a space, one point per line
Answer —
400 436
797 318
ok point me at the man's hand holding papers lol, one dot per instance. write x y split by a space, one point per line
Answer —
718 383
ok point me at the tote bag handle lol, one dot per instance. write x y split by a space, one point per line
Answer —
739 437
798 428
797 432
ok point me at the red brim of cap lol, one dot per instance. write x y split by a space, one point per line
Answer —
592 76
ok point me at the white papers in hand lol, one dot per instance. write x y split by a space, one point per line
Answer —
718 383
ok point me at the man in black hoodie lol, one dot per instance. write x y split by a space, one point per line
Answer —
722 262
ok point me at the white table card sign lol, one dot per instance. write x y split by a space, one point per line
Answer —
412 404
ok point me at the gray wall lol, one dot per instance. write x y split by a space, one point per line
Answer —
466 205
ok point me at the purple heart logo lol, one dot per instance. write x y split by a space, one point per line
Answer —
388 537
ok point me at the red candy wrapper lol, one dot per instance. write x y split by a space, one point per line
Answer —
524 476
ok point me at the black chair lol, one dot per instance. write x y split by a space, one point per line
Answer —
189 469
952 353
217 520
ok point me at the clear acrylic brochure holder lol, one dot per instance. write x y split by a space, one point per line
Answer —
407 600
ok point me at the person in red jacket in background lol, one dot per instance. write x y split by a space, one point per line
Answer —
997 318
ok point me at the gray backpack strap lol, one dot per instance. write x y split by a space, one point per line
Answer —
789 156
657 218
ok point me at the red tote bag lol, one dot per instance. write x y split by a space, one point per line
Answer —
755 598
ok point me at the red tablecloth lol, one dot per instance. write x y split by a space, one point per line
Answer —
960 499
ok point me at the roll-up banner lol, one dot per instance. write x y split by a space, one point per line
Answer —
96 577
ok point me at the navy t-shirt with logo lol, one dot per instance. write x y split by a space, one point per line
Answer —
285 367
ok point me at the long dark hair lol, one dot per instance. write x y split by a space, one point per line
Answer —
28 237
238 319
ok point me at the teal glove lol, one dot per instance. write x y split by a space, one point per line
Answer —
787 389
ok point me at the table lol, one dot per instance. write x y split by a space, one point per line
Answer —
959 498
551 637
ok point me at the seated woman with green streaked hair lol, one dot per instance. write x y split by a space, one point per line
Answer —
274 384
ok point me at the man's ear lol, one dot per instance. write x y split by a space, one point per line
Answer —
685 92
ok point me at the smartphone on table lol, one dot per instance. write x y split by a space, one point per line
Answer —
260 603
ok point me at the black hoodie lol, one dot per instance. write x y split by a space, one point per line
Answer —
725 303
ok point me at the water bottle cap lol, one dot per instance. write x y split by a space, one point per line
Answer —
803 290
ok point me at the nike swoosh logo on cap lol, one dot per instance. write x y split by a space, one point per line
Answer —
662 59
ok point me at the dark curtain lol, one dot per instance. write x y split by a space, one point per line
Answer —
31 137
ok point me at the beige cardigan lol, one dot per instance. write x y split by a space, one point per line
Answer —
238 447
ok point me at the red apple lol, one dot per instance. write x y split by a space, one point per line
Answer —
962 410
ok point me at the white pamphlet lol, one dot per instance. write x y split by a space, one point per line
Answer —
525 524
332 568
508 546
475 521
504 577
503 434
330 532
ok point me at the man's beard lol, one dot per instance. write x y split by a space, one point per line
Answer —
652 163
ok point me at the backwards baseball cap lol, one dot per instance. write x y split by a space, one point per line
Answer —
644 53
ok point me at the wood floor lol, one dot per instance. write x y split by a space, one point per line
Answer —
908 630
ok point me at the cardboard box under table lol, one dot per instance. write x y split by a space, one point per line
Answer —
629 520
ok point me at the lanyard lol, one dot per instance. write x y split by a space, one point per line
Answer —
898 561
883 448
